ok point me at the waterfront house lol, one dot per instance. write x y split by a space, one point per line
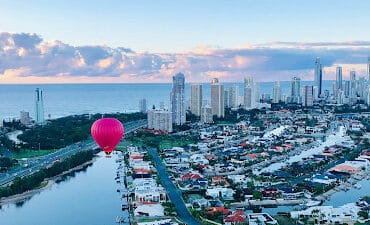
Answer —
219 180
146 190
190 176
157 222
237 179
149 210
220 209
260 219
270 192
349 167
329 215
220 192
198 159
237 217
323 179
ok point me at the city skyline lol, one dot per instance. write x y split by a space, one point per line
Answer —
184 112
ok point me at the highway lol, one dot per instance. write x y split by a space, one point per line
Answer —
38 163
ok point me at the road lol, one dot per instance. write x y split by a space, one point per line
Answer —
38 163
174 194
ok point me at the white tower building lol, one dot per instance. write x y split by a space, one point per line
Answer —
178 99
39 107
196 98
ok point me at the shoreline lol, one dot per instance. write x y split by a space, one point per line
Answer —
13 199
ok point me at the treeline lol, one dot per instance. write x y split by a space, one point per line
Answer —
33 181
6 143
5 163
65 131
13 125
157 140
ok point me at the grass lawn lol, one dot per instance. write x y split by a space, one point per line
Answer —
30 153
283 220
225 123
174 143
121 148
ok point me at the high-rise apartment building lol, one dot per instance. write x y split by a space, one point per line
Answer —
178 99
217 98
352 84
308 96
160 120
39 107
295 93
25 118
226 99
142 105
196 99
339 78
276 92
318 77
368 68
234 96
251 93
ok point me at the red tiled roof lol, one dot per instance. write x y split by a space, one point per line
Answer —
218 209
191 176
236 217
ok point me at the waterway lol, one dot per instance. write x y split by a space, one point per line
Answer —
87 197
332 139
337 199
173 192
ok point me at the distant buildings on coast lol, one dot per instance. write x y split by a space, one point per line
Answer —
353 91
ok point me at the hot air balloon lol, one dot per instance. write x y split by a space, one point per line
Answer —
107 133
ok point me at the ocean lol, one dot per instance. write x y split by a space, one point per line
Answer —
69 99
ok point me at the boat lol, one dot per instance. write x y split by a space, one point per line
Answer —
312 203
357 186
120 219
307 195
125 206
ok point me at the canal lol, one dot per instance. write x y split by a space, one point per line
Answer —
89 197
172 191
86 197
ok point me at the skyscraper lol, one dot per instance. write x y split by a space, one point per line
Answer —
234 96
248 97
251 95
346 88
276 95
142 105
352 84
196 98
295 92
256 94
217 98
308 96
339 78
39 107
318 77
368 68
178 99
226 99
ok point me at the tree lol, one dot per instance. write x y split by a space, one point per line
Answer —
363 214
257 195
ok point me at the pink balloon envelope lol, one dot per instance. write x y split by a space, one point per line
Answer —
107 133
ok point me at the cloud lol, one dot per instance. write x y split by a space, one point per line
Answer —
28 58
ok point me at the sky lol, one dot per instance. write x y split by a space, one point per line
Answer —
148 41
